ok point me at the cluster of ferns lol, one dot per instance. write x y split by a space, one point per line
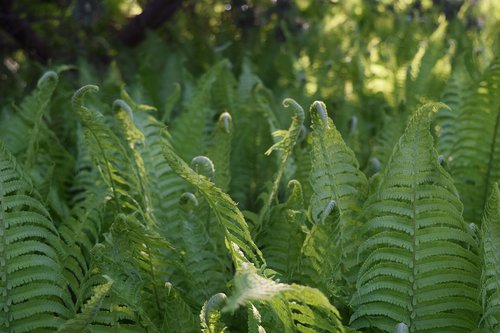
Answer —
191 217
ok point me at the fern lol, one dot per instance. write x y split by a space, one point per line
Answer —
225 210
298 308
219 150
33 297
188 133
282 239
475 163
205 257
285 146
210 315
419 265
82 321
110 156
490 280
339 190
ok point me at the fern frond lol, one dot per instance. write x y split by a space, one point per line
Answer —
285 146
204 254
254 320
281 240
420 266
30 118
33 295
219 151
299 308
179 316
210 315
134 257
225 210
446 118
475 163
111 157
490 250
338 185
82 320
188 130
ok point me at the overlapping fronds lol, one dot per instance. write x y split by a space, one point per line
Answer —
113 161
281 241
297 308
475 157
188 132
420 266
339 190
204 253
83 319
224 208
490 246
285 146
33 297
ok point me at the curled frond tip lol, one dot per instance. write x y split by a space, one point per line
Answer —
321 110
77 100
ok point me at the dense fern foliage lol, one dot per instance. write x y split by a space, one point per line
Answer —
352 186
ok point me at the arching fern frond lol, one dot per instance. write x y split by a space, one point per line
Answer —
298 308
490 250
338 185
224 208
110 156
33 295
475 163
83 319
420 266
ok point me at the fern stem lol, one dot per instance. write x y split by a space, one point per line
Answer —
411 325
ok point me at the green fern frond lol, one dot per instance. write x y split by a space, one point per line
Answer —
204 254
420 266
219 151
475 158
30 118
338 185
225 210
250 169
281 240
188 130
82 320
254 320
224 95
164 185
299 308
112 159
179 316
33 295
490 280
210 315
285 146
135 258
445 119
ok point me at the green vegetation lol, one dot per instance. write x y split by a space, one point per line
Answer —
184 186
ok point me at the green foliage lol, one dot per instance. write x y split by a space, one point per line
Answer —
490 279
419 267
118 216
